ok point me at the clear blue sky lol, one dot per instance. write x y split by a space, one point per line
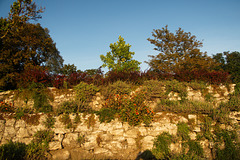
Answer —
83 29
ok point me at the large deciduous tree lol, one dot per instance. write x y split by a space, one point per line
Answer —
179 51
24 44
120 57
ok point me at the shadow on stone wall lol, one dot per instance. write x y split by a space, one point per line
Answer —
146 155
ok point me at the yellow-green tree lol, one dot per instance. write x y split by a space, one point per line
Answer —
120 57
179 51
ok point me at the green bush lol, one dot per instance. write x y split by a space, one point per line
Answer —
50 121
84 94
131 109
231 148
36 151
13 151
118 87
154 89
65 119
183 131
186 106
106 114
195 149
198 85
161 146
175 86
68 107
234 102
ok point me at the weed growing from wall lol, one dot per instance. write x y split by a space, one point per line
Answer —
50 121
231 149
161 146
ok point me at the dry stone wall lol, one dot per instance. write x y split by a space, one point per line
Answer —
219 94
90 139
103 140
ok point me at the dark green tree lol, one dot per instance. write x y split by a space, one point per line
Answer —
24 44
68 69
229 62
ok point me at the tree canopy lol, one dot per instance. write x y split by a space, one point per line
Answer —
120 57
24 44
229 62
179 51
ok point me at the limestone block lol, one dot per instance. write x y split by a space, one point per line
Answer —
61 155
206 148
26 140
192 116
9 132
22 133
147 142
114 146
70 140
55 145
33 129
126 126
175 148
131 141
99 150
90 145
82 128
197 129
143 131
132 133
42 119
118 138
58 136
105 127
172 129
106 137
117 132
174 96
20 124
10 122
182 119
116 124
192 135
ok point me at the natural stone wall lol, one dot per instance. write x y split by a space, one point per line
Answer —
220 94
116 139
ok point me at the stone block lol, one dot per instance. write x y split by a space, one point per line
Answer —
23 133
61 155
55 145
70 140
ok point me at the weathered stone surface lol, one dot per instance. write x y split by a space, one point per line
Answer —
117 132
175 148
10 122
22 133
61 155
132 133
192 135
70 140
20 124
9 132
55 145
99 150
147 142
